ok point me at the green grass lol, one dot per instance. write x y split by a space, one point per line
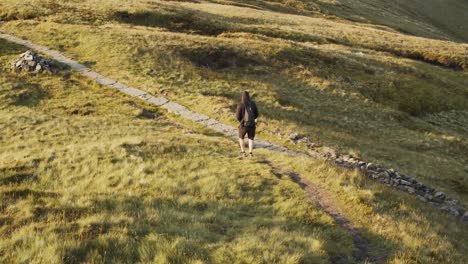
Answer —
428 18
83 178
104 185
85 173
383 108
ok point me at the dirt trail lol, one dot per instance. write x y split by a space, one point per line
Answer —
324 200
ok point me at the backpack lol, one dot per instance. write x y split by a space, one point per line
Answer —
249 118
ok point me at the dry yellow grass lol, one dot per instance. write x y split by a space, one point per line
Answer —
86 176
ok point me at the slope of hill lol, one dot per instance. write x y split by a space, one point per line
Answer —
428 18
80 162
89 175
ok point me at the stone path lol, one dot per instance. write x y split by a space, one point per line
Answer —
389 177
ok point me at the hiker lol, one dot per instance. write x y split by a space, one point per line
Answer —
247 114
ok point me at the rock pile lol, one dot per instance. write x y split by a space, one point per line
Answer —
31 62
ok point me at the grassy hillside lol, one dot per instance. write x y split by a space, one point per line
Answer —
429 18
89 175
84 176
97 177
326 79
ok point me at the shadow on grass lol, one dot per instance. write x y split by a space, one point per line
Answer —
18 178
185 232
197 22
175 21
29 94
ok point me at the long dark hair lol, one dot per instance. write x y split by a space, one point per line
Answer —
245 98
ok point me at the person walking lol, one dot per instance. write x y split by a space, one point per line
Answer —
247 114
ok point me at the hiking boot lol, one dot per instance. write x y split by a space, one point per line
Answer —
251 154
242 154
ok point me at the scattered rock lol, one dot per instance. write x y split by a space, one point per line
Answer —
403 182
147 114
450 210
410 190
439 196
419 186
422 198
329 152
384 174
453 202
428 197
465 217
371 166
294 136
31 62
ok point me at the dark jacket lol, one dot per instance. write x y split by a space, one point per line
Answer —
241 111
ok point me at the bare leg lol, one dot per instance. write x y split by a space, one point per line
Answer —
251 144
242 144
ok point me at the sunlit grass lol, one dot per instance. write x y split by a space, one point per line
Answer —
105 185
359 100
85 177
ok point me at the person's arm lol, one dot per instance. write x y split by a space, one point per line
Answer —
255 109
239 113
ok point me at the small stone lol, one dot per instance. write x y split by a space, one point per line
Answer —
410 190
371 166
419 185
453 202
346 157
404 177
38 68
422 198
450 210
328 152
29 57
294 136
465 216
403 182
384 174
428 197
439 196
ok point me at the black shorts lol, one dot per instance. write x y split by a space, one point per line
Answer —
250 131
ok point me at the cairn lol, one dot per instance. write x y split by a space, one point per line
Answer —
31 62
